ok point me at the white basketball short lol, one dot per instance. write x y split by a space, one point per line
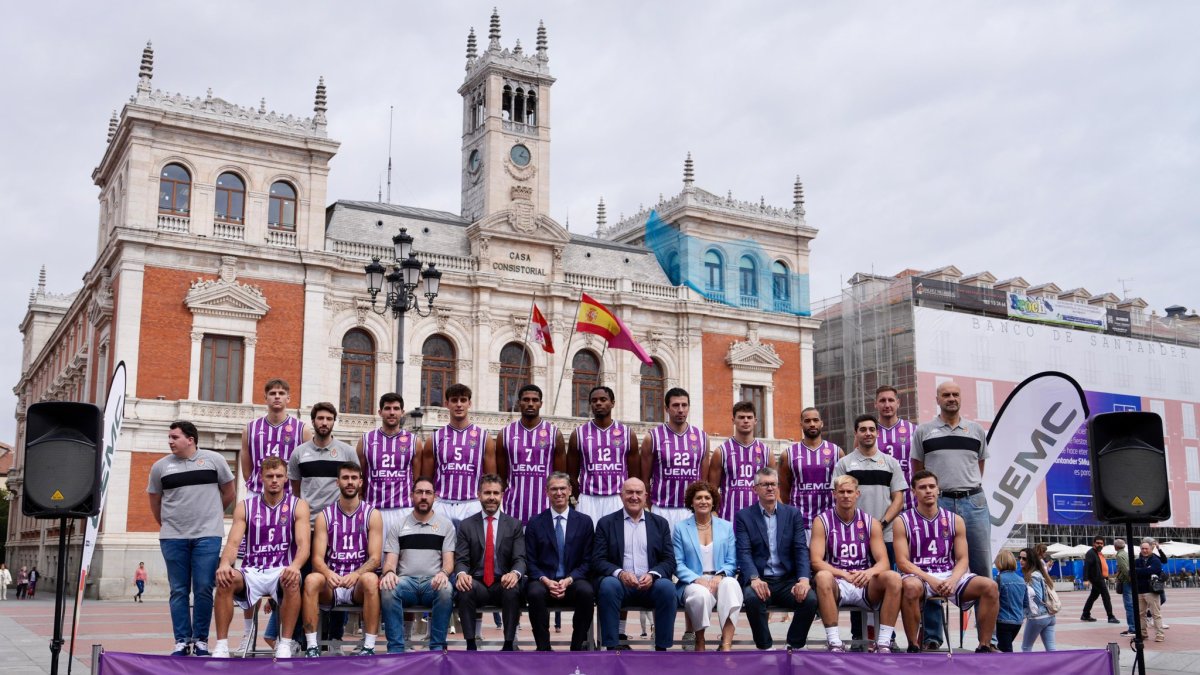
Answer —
674 516
344 596
598 506
458 510
393 518
850 595
956 596
259 584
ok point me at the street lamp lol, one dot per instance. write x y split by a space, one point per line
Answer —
401 295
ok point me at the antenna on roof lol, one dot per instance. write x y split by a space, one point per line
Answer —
1125 287
391 115
380 197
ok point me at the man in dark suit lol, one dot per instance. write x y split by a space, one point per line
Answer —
634 559
1095 570
558 547
773 556
489 563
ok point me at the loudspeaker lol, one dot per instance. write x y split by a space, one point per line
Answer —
62 460
1129 468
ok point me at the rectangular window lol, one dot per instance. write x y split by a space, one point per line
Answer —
1189 420
758 396
1193 464
221 369
1194 506
985 400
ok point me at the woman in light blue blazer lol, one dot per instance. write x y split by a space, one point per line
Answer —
706 562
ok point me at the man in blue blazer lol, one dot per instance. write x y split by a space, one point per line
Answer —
773 557
558 551
633 557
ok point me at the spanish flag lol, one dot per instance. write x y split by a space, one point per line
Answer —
595 318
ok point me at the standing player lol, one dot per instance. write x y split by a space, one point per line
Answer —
313 467
386 456
895 435
275 527
347 549
734 464
600 456
527 452
674 455
806 469
456 456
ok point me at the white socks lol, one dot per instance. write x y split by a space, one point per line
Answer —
223 645
832 636
369 641
885 635
311 639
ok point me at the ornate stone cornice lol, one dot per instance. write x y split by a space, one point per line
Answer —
226 297
216 108
753 355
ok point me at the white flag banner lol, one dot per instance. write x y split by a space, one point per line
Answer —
1029 432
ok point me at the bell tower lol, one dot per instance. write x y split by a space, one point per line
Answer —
506 129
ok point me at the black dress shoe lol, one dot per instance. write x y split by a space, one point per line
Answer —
507 647
619 648
660 649
1087 617
472 646
913 649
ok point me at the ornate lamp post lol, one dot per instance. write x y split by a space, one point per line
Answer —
401 291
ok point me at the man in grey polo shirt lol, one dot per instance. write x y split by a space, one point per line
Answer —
955 449
189 490
417 562
313 466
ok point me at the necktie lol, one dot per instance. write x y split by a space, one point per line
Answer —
560 537
489 554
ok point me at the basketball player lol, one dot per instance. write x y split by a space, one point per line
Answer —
895 436
850 566
735 462
275 530
386 456
674 455
931 552
806 469
347 549
600 456
527 451
456 455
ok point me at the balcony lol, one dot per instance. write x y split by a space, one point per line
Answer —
174 223
229 231
281 238
519 128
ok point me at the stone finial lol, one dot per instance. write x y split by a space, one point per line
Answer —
762 201
494 31
112 126
798 197
601 215
517 51
41 287
541 41
319 101
471 54
146 70
262 106
689 174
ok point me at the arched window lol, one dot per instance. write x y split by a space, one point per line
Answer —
586 374
748 278
514 374
714 272
438 369
531 108
231 198
174 191
518 113
654 386
282 215
781 287
506 103
358 372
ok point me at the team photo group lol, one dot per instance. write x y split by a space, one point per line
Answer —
424 536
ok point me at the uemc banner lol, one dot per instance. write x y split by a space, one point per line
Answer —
1032 428
1062 312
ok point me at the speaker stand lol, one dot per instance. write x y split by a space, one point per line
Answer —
1139 656
60 593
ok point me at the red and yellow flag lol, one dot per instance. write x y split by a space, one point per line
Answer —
541 330
595 318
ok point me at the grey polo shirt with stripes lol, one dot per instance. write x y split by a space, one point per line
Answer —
878 477
952 454
191 494
317 470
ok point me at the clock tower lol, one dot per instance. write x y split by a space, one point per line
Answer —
506 131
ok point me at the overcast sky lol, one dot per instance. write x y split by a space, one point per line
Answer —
1056 141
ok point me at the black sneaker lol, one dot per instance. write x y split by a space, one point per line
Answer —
987 649
1113 619
913 649
1087 617
182 649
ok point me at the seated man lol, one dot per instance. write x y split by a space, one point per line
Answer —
931 552
276 547
489 566
419 557
774 562
634 559
558 550
347 543
851 564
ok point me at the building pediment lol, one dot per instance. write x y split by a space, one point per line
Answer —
753 355
520 223
224 296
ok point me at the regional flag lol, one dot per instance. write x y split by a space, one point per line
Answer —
595 318
541 330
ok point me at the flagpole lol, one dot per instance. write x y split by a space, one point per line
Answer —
563 373
524 353
600 375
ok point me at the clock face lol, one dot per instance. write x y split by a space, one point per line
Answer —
520 155
474 161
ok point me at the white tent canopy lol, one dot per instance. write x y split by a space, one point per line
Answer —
1064 552
1179 549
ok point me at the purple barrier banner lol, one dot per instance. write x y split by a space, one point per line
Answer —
1088 661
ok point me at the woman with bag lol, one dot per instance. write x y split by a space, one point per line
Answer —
1148 569
1041 602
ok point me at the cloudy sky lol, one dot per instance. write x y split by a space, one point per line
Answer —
1057 141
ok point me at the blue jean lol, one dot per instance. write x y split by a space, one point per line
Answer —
1043 626
974 512
417 591
661 597
1127 596
191 569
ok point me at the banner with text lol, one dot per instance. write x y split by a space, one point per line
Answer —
1063 312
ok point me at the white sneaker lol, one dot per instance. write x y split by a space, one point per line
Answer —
221 651
283 649
245 646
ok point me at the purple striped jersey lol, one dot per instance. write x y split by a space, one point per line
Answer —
270 440
677 460
896 441
738 465
346 547
458 458
847 545
389 468
270 533
602 458
930 541
530 461
812 476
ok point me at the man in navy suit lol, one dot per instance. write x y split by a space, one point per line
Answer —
634 559
558 551
773 556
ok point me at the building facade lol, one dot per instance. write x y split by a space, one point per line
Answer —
221 262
